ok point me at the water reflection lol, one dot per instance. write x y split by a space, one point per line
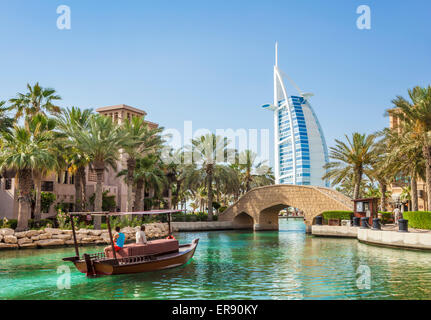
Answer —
235 265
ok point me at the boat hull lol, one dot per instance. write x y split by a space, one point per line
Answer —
172 260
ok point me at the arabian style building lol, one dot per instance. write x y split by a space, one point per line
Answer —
400 183
62 185
300 150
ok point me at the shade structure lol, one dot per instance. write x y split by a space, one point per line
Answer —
107 213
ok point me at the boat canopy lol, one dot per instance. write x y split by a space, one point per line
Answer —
107 213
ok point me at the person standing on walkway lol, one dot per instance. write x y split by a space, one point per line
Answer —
397 213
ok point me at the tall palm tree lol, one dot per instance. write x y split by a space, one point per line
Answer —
148 175
24 151
417 114
5 121
255 173
70 120
404 157
207 151
39 125
37 100
352 158
142 139
101 142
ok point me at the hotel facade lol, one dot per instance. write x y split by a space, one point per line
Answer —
300 149
62 185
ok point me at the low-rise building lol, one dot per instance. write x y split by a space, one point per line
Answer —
62 185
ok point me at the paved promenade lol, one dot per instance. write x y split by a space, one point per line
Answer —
388 236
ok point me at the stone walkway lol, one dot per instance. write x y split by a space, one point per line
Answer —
393 227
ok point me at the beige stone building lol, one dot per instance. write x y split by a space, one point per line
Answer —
62 185
397 186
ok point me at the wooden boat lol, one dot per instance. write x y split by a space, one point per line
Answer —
133 258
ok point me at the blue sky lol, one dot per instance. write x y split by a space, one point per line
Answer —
211 61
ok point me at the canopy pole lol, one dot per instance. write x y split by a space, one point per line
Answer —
108 222
74 236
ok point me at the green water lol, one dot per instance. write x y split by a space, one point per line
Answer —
287 264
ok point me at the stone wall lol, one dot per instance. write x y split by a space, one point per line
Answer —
51 237
334 231
202 226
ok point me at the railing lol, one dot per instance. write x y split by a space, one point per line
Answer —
335 196
136 259
97 256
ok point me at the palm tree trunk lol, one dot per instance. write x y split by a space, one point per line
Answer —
383 200
98 198
169 196
357 184
414 192
210 191
24 199
131 165
83 177
138 195
37 189
78 193
427 154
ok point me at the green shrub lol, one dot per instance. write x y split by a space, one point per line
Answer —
222 209
46 200
418 219
11 223
40 224
342 215
386 216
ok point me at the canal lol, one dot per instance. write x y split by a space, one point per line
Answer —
286 264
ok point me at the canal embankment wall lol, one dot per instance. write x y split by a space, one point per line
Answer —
390 238
53 237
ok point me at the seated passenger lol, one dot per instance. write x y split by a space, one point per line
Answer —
140 236
119 239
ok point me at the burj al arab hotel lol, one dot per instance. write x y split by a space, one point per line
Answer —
300 150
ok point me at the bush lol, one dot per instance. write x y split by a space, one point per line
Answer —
386 216
46 200
108 202
342 215
418 219
11 223
222 209
40 224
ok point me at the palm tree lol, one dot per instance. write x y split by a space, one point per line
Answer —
101 141
207 150
352 159
37 100
40 125
404 157
417 115
148 175
255 174
5 121
70 120
142 139
25 151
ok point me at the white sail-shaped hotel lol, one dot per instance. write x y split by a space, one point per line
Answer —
300 150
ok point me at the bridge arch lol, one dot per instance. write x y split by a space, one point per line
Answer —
263 204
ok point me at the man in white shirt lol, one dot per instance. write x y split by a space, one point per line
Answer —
140 236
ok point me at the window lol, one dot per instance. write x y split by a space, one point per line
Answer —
47 186
92 176
8 184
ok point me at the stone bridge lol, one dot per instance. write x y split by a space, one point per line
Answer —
258 209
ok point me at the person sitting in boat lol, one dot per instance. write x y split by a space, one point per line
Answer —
119 239
170 237
140 236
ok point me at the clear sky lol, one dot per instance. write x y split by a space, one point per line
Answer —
211 62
